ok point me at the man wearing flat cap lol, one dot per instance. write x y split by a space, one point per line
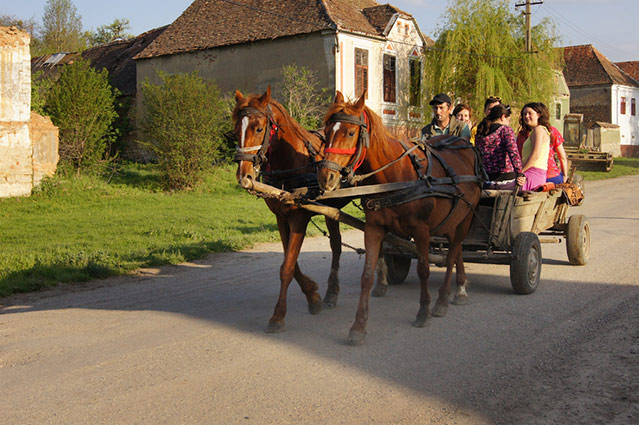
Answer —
443 122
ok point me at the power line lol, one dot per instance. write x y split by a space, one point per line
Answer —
579 30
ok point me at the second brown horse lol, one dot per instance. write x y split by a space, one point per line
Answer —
350 150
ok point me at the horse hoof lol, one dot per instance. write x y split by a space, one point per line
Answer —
274 327
355 337
315 307
380 290
440 310
421 321
330 300
460 299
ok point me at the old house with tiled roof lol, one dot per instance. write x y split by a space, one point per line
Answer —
603 92
351 45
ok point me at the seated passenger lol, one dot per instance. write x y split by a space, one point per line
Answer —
488 104
495 141
557 170
534 120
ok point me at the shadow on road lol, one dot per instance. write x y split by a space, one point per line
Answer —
239 290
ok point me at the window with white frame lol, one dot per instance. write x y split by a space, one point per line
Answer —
361 71
415 88
390 79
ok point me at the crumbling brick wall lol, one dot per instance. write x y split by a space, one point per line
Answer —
23 163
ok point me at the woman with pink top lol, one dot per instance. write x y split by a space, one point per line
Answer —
535 121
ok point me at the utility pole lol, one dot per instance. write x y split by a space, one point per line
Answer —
527 14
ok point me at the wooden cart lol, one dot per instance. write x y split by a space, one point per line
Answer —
508 228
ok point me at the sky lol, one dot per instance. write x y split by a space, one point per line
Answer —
607 24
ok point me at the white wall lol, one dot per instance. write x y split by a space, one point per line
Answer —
403 39
628 124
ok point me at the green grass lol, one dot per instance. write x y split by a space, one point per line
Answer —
76 229
620 167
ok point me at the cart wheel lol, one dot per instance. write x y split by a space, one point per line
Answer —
525 269
578 240
398 268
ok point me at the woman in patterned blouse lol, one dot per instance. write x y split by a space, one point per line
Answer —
495 141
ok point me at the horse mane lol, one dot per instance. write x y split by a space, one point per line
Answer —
378 135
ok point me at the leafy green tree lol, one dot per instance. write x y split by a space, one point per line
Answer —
115 31
62 28
82 104
301 96
184 123
40 87
480 52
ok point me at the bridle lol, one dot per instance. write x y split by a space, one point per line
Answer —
290 177
358 151
260 157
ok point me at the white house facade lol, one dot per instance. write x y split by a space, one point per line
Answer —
350 45
624 112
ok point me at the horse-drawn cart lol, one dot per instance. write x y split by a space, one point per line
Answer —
508 228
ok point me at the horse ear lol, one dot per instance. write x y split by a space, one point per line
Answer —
266 97
359 105
238 96
339 97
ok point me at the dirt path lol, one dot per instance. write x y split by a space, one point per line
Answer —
185 344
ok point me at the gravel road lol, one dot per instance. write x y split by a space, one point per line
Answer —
185 344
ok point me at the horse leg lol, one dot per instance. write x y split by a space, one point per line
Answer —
292 242
382 278
330 298
372 242
461 295
309 286
454 257
441 305
423 272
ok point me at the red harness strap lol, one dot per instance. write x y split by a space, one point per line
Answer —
341 151
352 150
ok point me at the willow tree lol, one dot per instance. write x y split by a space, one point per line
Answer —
480 51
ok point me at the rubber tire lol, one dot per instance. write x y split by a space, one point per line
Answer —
398 268
525 268
578 240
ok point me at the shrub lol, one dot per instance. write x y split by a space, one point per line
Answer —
184 121
301 97
82 104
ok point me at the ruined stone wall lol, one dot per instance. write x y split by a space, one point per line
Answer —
44 140
16 168
28 141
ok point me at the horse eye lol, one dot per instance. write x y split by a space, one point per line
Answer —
351 133
260 129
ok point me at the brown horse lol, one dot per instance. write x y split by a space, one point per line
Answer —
272 143
357 142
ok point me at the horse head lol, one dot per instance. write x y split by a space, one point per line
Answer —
253 123
346 126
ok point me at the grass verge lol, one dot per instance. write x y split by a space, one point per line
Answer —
76 229
621 167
